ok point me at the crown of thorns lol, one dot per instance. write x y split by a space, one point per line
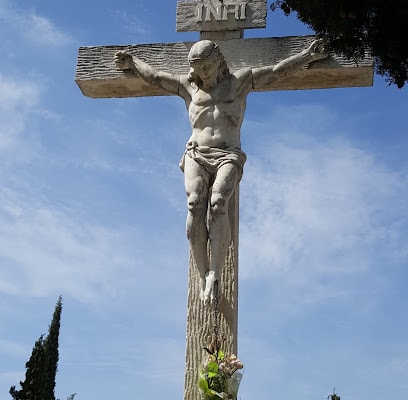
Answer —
201 57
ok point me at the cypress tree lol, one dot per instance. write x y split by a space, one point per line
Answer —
51 349
41 368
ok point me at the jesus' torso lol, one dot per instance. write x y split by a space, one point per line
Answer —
216 114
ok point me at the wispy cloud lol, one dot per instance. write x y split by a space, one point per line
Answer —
33 27
12 348
131 23
47 251
318 209
44 32
18 99
52 248
15 95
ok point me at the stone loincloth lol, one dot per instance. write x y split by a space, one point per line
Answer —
212 158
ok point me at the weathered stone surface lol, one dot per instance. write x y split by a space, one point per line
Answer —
98 77
200 318
188 15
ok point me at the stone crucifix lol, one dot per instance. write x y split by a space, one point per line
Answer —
213 161
214 77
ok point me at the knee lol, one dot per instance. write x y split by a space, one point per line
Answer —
196 204
218 204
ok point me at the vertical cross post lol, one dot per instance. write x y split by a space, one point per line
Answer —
200 318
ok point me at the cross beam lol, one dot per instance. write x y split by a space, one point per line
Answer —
97 76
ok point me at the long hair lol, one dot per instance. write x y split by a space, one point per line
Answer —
205 49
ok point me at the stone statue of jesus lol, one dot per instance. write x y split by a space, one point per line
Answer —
213 161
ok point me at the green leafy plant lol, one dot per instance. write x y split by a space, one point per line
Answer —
220 376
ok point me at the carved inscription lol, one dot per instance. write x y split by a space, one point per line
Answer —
219 16
221 11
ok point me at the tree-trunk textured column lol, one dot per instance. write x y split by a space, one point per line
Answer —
200 318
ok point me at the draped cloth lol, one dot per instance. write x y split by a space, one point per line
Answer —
212 158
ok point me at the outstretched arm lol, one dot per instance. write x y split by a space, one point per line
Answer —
290 65
165 80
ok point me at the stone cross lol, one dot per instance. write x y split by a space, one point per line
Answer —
223 22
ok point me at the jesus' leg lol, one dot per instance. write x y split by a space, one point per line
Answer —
196 181
219 229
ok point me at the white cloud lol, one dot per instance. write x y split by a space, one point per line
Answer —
35 28
12 348
19 100
131 23
317 209
17 95
42 31
52 249
47 251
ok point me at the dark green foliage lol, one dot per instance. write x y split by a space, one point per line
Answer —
51 349
33 386
333 396
350 27
41 368
72 396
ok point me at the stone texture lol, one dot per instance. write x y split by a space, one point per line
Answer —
200 318
97 76
187 17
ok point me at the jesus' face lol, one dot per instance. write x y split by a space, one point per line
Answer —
206 69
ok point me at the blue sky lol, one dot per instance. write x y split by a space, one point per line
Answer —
92 207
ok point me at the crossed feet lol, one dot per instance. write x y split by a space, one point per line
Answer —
207 292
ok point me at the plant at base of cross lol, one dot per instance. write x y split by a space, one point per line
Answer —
220 376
